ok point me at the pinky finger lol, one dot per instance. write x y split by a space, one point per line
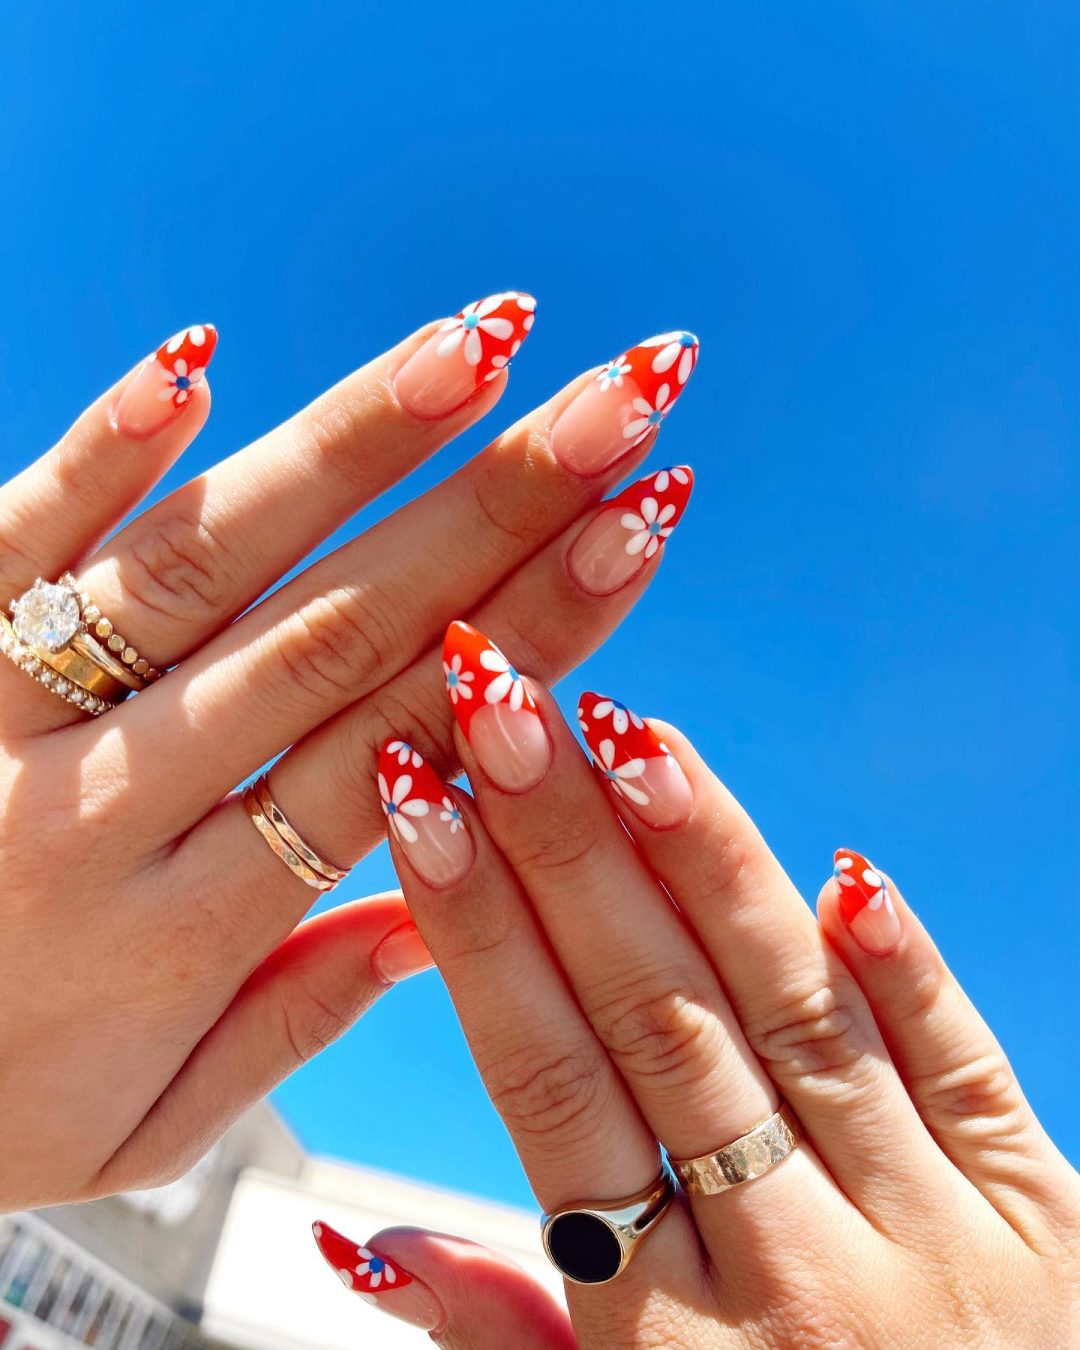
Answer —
57 509
306 994
954 1070
465 1296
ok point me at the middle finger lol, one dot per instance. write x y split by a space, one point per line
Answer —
344 627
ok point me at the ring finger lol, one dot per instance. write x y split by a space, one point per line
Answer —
181 571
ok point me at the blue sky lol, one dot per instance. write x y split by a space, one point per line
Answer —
869 215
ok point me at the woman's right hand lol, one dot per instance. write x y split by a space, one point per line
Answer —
152 985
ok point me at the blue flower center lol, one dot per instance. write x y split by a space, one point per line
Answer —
376 1265
610 773
391 809
512 673
654 528
470 321
655 418
182 382
686 340
453 680
455 814
836 871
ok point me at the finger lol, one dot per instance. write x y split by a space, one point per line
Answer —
465 1296
323 785
303 996
56 510
180 572
802 1013
355 619
575 1126
644 984
951 1064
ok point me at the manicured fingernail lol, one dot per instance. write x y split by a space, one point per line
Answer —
380 1281
635 761
160 389
618 409
464 353
400 954
495 710
628 530
423 816
865 904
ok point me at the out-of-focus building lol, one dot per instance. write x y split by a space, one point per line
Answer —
224 1257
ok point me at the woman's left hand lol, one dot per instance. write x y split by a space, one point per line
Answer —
925 1204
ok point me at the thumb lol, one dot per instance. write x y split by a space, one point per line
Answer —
466 1296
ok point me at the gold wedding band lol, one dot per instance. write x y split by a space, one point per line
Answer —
299 857
744 1159
61 638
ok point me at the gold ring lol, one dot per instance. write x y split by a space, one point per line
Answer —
25 659
51 623
744 1159
276 816
593 1244
281 846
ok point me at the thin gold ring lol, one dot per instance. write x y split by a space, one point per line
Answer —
276 816
283 849
744 1159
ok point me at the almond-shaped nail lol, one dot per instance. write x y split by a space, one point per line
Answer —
401 954
865 903
423 816
464 353
159 391
627 399
635 761
495 710
379 1281
629 530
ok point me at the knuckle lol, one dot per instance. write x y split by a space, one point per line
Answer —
569 842
176 569
816 1036
309 1023
556 1095
658 1032
330 431
334 646
981 1091
497 508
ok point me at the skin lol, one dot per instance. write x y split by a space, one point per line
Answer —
153 980
925 1206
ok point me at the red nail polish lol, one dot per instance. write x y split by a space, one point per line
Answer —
629 530
161 388
627 400
464 353
380 1281
494 709
865 904
423 815
635 761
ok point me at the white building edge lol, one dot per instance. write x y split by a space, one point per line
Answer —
225 1257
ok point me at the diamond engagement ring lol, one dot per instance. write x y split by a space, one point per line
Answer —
61 638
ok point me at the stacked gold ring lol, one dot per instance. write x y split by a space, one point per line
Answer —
54 636
286 842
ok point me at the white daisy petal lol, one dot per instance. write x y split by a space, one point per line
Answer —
451 342
502 329
638 427
493 660
474 348
499 687
404 829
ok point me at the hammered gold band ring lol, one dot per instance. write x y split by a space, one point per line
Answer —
744 1159
285 841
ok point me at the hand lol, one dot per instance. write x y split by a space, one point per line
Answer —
151 982
925 1205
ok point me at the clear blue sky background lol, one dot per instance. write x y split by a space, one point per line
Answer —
869 213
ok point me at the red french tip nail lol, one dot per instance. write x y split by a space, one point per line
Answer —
359 1269
479 675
